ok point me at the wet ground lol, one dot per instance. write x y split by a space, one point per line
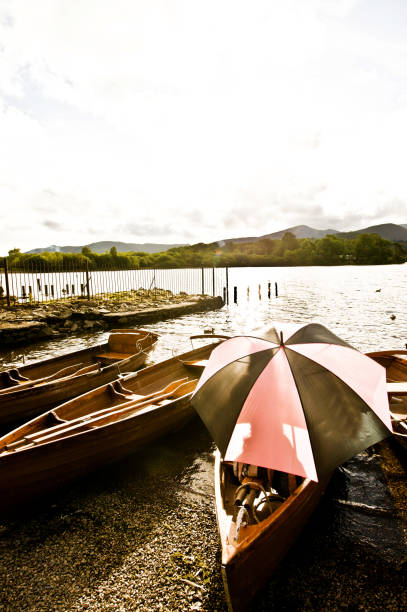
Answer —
141 535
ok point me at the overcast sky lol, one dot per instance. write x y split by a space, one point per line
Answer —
186 121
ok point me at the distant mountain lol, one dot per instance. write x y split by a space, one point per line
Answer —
102 247
299 231
388 231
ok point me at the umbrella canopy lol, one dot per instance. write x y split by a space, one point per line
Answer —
296 398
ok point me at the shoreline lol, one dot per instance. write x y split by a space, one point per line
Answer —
26 324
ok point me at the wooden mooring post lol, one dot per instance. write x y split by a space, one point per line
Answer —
227 286
87 280
7 284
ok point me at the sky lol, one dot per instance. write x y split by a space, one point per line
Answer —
173 121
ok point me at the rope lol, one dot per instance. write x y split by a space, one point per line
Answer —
239 521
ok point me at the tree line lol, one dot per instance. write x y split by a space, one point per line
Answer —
365 249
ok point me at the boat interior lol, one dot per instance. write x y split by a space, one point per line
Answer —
250 495
53 427
395 363
121 345
147 389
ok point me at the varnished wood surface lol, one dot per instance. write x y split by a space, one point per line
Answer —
246 565
123 417
44 389
395 363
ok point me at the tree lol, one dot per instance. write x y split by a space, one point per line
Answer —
289 241
330 250
372 249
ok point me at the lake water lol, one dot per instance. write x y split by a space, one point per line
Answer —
364 305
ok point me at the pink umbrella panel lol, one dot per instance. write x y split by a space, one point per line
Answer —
303 405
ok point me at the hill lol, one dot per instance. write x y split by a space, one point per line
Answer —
299 231
106 245
388 231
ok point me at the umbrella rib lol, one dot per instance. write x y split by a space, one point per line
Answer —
302 407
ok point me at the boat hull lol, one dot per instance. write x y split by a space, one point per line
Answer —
395 363
21 403
30 474
247 566
97 428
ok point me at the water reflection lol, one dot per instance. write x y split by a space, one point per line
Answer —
344 299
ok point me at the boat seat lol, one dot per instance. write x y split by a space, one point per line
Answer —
15 373
397 388
199 363
107 357
57 418
7 380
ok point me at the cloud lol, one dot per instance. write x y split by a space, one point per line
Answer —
122 122
57 227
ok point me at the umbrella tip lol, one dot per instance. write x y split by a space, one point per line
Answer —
281 339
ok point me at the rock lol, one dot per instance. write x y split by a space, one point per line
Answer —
66 313
28 323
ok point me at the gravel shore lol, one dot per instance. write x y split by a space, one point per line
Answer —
138 535
141 535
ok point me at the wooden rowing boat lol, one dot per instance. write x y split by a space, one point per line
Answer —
259 517
34 388
395 363
98 427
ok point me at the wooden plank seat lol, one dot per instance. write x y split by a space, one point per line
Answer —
397 388
198 364
111 357
120 346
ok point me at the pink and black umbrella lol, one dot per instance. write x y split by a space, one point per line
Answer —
296 399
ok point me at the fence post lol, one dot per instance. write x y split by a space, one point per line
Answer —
7 285
213 282
203 281
227 285
87 279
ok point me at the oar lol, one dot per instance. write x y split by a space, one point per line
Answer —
65 372
86 370
182 390
83 419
